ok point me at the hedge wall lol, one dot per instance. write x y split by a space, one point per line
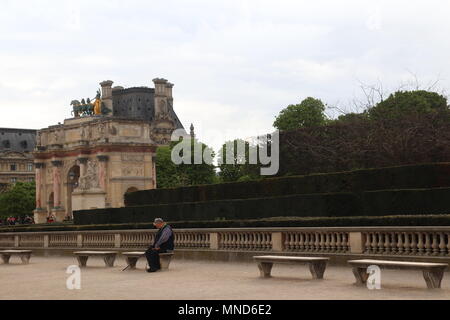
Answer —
313 205
419 220
404 177
369 203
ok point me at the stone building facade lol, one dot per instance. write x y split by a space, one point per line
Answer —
92 161
16 159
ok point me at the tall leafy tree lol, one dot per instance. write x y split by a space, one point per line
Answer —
309 113
18 200
240 168
403 103
171 175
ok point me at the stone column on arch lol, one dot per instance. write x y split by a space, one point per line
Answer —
40 214
39 166
102 169
57 211
82 161
57 164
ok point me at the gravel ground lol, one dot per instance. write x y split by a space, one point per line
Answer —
45 278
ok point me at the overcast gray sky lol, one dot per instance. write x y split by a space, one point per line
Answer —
235 64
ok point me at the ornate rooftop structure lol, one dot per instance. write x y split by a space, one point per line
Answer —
105 150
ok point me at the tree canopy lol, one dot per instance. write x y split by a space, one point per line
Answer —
171 175
241 169
403 103
309 113
18 200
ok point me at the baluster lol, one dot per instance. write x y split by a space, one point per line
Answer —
268 241
257 243
242 240
393 243
338 242
328 241
301 241
428 249
345 246
287 240
420 244
380 243
400 243
295 241
373 242
368 242
224 242
328 246
312 239
435 244
407 244
442 246
414 239
232 236
230 240
322 247
180 239
317 242
261 241
333 242
306 237
233 240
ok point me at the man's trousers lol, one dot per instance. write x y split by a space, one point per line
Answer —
153 258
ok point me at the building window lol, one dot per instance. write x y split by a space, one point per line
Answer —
13 180
30 167
13 167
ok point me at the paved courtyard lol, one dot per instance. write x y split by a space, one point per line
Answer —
45 278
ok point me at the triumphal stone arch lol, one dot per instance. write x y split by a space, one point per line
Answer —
106 149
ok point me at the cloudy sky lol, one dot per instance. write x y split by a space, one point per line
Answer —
235 64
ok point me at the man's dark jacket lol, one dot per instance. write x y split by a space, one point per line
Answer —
169 244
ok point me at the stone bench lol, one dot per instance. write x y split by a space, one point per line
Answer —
432 272
108 256
133 257
317 265
23 254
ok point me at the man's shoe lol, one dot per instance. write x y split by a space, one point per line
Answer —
151 270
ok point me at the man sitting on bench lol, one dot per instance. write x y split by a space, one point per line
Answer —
164 241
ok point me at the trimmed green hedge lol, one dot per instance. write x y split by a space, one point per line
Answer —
391 221
370 203
313 205
435 175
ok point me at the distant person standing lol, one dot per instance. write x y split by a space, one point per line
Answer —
164 242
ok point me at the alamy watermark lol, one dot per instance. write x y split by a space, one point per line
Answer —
73 282
262 150
374 278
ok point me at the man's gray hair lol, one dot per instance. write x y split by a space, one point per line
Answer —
158 220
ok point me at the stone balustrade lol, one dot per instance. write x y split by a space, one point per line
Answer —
400 241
